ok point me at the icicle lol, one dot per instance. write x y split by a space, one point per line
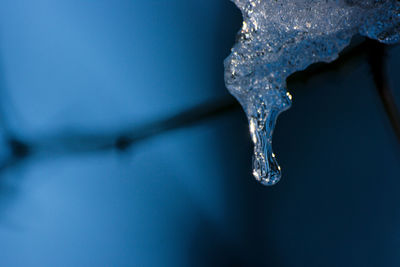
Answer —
280 37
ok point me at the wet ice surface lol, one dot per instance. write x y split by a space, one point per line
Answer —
280 37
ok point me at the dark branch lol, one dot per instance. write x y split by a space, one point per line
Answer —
75 142
377 62
183 119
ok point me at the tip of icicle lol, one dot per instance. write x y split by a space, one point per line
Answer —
268 179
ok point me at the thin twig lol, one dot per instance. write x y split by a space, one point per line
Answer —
75 142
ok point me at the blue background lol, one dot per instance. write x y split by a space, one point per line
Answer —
184 197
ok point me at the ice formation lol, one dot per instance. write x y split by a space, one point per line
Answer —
280 37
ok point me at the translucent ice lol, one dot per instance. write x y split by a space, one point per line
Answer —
280 37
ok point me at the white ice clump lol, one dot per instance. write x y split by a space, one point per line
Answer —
280 37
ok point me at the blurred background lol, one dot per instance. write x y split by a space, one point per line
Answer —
120 145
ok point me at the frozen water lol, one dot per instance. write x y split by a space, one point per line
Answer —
280 37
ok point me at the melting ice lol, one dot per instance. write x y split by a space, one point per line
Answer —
280 37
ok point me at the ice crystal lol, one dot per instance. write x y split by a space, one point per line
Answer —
279 37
